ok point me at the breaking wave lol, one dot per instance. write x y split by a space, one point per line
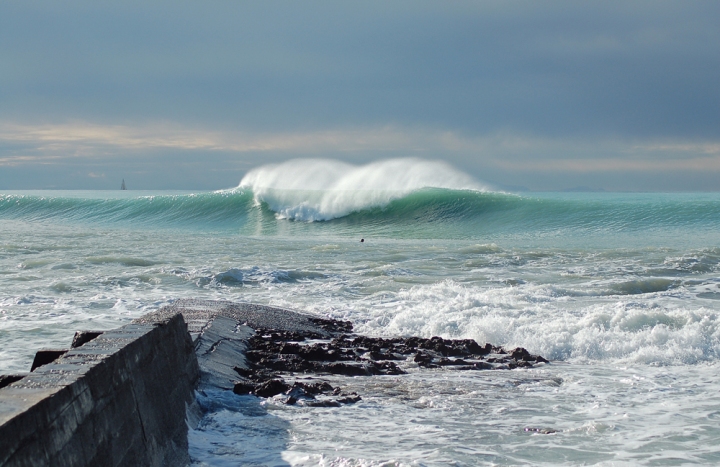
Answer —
321 190
397 198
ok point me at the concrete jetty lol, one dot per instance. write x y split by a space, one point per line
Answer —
126 396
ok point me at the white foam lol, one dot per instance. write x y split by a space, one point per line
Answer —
655 330
322 189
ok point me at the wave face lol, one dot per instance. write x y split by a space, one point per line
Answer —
419 213
204 209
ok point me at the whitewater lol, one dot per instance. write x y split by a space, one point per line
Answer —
621 291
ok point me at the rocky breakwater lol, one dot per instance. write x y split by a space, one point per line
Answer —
125 396
288 358
280 361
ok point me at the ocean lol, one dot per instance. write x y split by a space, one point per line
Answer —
621 291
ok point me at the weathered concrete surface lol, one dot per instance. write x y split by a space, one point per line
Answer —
220 349
6 380
199 313
119 399
221 331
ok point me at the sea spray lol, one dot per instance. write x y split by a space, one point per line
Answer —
320 190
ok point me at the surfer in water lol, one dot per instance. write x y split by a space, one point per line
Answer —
362 240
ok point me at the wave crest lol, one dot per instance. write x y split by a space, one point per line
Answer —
320 189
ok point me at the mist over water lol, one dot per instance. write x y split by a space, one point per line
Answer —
321 189
620 290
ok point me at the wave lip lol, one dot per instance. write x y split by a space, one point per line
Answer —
320 190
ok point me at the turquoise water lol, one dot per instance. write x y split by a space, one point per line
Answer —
621 291
588 220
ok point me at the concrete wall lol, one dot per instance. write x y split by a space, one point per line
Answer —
119 399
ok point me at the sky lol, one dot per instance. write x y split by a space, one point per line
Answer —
522 95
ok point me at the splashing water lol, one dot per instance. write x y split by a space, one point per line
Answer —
317 189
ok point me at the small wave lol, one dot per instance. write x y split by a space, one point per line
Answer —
124 261
33 264
709 295
62 287
239 277
700 262
481 249
643 286
205 209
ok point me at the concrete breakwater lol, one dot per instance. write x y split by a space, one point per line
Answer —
126 396
119 399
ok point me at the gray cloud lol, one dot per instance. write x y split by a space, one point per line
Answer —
566 85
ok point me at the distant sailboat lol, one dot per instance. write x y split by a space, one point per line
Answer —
122 187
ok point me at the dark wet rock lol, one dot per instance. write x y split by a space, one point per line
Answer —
422 358
542 431
350 399
385 368
380 355
275 355
271 388
322 387
362 355
318 352
307 393
333 325
521 354
290 348
244 372
323 403
242 388
347 369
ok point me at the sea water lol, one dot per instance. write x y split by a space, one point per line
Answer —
620 290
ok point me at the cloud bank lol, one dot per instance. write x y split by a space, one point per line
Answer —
187 95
